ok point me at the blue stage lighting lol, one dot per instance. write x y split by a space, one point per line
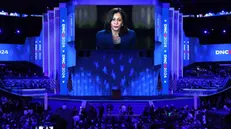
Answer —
205 32
224 31
18 31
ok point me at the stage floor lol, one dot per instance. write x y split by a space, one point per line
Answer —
106 98
159 101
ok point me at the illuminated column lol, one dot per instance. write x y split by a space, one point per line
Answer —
51 44
45 43
49 15
171 39
63 50
165 48
56 42
176 44
181 40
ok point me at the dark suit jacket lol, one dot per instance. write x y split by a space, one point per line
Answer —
104 40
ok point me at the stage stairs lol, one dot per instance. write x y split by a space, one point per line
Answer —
138 105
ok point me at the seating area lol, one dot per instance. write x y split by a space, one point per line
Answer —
200 83
26 113
23 113
28 76
20 112
204 76
28 83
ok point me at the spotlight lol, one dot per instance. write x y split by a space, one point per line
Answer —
18 31
224 31
0 31
205 32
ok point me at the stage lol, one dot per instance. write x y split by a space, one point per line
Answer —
126 98
159 101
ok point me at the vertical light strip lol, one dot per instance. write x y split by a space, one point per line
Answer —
172 46
165 48
55 44
63 49
52 43
182 40
177 44
43 43
48 44
170 41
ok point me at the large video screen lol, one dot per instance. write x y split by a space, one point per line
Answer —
14 52
114 27
211 53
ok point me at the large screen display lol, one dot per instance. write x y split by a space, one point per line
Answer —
211 53
114 27
14 52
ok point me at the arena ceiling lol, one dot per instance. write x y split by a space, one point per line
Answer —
29 6
200 6
186 6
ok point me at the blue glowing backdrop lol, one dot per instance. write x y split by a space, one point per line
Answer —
101 71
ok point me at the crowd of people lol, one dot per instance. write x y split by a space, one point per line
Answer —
204 78
223 71
164 117
12 79
24 113
20 113
28 83
200 83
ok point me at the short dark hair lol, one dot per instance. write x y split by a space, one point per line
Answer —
110 15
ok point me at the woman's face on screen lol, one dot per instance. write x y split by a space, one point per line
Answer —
116 22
